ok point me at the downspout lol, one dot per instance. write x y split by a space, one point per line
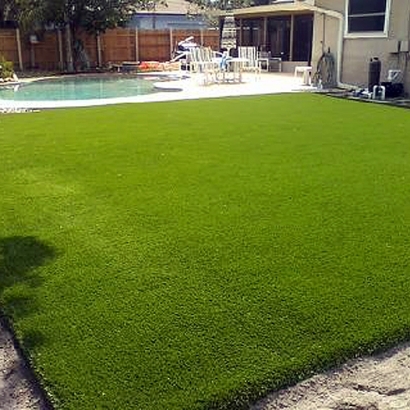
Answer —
340 17
406 57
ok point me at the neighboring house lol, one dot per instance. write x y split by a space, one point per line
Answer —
355 31
176 14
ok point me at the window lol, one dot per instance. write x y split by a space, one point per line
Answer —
302 38
252 32
278 36
367 16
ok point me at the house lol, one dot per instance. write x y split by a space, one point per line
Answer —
355 31
176 14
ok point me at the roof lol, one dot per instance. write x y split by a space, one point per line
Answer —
277 6
285 6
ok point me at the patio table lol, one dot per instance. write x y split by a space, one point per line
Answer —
232 72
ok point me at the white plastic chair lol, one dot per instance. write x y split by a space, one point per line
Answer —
202 62
250 57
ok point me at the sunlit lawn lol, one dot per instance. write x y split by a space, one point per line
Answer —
197 254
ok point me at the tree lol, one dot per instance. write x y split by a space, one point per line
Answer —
73 16
224 4
91 16
8 9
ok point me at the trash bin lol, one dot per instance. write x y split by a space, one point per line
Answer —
374 73
393 90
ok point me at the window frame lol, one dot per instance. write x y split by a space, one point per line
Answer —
368 34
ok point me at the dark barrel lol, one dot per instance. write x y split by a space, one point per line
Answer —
375 66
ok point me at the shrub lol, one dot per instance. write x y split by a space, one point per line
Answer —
6 68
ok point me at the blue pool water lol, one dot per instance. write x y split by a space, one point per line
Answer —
78 88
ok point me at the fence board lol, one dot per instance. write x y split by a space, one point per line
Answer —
90 45
154 46
8 45
45 53
116 46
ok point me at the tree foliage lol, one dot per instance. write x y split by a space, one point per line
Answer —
89 15
223 4
229 4
8 10
74 16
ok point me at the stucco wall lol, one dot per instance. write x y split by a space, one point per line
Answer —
358 51
325 37
337 5
357 55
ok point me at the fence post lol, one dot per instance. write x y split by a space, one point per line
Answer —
20 56
69 50
60 50
201 34
171 42
137 53
99 55
292 28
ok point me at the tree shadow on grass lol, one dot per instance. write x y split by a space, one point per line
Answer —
19 258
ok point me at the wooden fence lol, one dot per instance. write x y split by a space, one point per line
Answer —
8 45
114 46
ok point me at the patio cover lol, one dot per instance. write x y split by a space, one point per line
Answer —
296 6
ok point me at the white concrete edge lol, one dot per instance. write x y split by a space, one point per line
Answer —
189 89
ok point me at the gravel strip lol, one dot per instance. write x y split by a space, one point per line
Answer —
18 390
379 382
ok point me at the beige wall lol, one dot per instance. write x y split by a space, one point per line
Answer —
357 52
337 5
357 55
325 36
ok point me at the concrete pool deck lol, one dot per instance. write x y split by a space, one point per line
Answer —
182 89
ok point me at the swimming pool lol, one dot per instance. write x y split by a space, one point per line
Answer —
78 88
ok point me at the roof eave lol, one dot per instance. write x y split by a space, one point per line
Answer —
271 8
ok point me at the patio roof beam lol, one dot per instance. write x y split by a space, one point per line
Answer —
272 8
292 36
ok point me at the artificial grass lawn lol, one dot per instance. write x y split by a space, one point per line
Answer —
194 255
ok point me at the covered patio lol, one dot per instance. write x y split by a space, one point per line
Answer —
282 31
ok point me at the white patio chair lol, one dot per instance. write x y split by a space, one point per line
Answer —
203 64
250 57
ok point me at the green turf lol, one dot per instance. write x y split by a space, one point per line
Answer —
196 254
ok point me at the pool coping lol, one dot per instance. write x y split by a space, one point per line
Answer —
180 87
